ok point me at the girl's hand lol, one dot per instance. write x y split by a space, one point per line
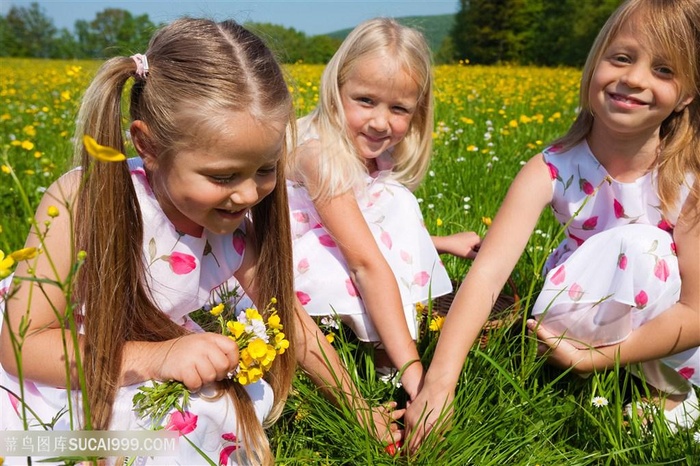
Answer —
464 244
384 426
558 350
197 359
425 413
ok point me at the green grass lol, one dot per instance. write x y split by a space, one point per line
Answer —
510 408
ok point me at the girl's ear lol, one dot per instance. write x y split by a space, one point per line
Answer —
683 103
143 142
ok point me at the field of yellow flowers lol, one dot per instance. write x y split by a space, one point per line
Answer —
488 120
510 408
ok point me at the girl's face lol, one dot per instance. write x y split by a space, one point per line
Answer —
633 90
214 186
379 100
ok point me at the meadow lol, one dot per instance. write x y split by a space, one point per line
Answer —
510 408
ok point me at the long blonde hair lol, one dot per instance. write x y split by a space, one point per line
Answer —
670 28
195 65
340 167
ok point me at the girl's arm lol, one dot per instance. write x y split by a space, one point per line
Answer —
321 362
369 271
43 358
673 331
505 241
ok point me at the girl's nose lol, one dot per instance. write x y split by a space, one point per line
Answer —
379 121
635 76
245 192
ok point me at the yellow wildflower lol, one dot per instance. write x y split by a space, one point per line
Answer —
257 348
217 310
486 221
281 344
253 314
274 322
439 222
24 254
6 264
436 323
5 169
52 211
103 153
236 328
330 337
27 145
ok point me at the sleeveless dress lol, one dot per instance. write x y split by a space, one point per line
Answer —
185 272
616 268
321 277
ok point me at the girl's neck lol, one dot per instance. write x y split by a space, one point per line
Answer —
624 158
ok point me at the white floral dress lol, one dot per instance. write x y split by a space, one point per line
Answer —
184 271
616 268
321 278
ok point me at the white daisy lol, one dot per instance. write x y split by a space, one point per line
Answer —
599 401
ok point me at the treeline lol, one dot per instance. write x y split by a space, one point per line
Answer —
536 32
29 32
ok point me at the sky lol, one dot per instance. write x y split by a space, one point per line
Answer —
309 17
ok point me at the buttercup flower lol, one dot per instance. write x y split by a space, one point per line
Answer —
6 264
52 211
102 153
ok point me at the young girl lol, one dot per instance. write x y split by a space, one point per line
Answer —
624 284
204 201
361 250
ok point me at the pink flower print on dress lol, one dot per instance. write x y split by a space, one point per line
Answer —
327 241
226 452
406 257
575 292
586 186
553 171
622 261
665 225
303 265
301 217
618 209
590 223
558 276
641 299
183 422
350 286
686 372
579 241
421 278
555 148
303 298
661 270
180 263
239 242
386 239
673 249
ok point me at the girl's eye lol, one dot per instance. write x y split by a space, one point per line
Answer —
222 179
621 58
267 171
364 100
664 71
400 109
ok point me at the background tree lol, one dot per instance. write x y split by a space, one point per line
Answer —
27 32
113 32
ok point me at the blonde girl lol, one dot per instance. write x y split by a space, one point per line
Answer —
204 201
624 284
361 250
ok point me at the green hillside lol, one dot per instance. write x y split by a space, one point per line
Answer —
434 28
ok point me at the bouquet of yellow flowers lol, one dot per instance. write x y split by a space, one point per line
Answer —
260 339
